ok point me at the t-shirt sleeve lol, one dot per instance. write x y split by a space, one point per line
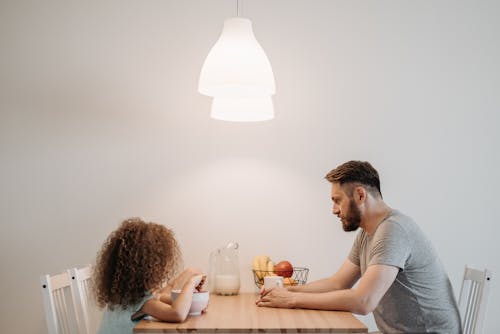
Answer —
139 313
354 254
391 246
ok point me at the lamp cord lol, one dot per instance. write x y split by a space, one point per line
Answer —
238 8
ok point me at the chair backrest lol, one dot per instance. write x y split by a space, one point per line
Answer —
80 289
86 310
58 303
473 299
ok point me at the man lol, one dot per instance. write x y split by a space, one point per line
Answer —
399 276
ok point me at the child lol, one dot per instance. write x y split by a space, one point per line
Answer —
132 265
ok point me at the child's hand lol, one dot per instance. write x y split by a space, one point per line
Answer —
197 282
199 287
184 277
191 271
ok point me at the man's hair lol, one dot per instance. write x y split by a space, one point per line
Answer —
134 260
356 173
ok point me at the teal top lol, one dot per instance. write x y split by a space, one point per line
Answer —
117 321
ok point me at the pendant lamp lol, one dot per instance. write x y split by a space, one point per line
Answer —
238 75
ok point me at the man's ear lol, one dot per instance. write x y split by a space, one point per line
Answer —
360 194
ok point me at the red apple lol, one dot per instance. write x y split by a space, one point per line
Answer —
283 268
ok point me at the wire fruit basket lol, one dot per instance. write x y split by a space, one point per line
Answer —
299 277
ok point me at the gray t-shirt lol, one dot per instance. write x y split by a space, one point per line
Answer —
421 298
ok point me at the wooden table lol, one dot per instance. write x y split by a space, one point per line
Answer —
239 314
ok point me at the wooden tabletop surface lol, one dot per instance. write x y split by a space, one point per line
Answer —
239 314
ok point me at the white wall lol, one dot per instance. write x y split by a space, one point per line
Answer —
101 120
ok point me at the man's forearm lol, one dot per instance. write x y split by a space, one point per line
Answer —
340 300
322 285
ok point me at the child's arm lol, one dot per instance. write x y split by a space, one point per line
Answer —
178 311
177 283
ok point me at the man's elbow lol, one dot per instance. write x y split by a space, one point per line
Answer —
365 306
364 310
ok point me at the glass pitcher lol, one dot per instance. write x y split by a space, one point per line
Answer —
225 270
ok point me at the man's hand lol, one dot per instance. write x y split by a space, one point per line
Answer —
276 297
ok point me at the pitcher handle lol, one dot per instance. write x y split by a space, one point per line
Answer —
233 244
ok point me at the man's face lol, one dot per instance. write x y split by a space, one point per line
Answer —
345 208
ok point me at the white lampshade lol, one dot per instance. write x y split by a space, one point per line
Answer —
237 66
241 109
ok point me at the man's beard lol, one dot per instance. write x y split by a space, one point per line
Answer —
352 219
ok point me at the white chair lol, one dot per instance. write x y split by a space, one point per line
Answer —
58 303
80 290
473 299
86 310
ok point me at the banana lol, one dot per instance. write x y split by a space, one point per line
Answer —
263 266
256 266
255 263
258 262
270 268
263 260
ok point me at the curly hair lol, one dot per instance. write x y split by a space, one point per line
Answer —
136 258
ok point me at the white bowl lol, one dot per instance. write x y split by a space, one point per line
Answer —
199 302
